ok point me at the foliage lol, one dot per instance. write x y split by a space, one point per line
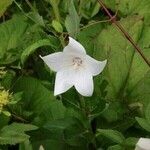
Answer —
14 133
117 114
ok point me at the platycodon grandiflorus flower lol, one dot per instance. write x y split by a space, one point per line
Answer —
143 144
74 68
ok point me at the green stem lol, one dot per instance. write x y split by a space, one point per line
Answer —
62 40
84 110
57 15
23 11
30 5
56 11
80 6
82 104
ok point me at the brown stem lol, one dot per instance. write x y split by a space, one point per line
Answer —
19 118
30 5
126 34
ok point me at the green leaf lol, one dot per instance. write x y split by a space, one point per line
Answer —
4 120
147 113
88 37
39 100
38 19
113 135
54 2
25 145
131 141
113 112
7 113
116 147
95 9
57 26
32 48
12 138
139 79
72 21
128 7
3 5
89 8
16 97
71 128
8 79
143 123
19 127
10 38
141 91
122 72
15 133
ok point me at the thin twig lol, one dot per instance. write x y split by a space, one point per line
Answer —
94 23
30 5
23 11
126 34
19 118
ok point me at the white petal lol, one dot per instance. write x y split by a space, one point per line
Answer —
63 81
74 47
41 147
143 144
84 83
55 61
95 67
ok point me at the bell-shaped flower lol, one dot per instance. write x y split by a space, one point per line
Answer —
74 68
143 144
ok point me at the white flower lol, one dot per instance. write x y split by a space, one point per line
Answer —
143 144
41 147
74 68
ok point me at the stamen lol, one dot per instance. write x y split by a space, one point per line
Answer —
77 62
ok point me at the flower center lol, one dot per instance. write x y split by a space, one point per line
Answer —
77 62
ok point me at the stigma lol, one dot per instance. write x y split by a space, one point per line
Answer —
77 62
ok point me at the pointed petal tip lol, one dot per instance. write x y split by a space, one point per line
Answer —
56 94
85 94
74 46
71 39
104 61
40 56
143 144
102 65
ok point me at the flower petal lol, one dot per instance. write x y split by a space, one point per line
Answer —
84 83
143 144
74 47
95 67
54 61
63 81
